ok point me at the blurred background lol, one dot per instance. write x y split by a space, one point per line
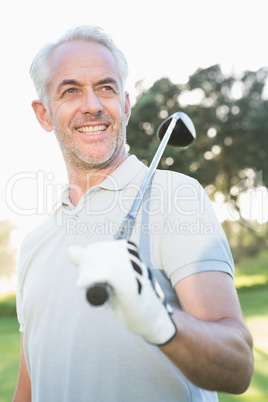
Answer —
207 59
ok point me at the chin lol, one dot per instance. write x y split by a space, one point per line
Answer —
98 162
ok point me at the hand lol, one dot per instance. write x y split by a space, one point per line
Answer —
137 300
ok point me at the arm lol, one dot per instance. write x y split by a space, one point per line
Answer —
212 346
23 390
207 341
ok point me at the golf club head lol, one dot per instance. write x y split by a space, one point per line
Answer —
183 133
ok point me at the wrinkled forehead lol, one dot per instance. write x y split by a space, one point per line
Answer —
77 57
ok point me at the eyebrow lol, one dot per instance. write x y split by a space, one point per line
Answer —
108 80
66 82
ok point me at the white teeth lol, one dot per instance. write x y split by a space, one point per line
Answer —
92 129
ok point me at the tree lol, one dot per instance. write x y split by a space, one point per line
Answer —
7 254
230 116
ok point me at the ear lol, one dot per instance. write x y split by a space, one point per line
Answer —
127 107
75 254
42 115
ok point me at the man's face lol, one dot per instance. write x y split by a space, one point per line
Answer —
87 109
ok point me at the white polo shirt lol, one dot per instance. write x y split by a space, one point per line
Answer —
76 352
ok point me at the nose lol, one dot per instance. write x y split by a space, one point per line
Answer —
90 103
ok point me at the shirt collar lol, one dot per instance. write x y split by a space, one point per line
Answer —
117 180
123 175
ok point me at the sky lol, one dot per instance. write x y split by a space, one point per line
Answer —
160 39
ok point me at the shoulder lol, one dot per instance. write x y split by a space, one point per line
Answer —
178 186
175 178
36 236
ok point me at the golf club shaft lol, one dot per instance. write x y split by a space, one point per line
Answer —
98 293
152 168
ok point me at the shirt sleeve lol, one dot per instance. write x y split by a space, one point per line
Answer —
19 299
193 240
25 253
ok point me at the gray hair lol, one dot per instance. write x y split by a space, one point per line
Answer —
40 70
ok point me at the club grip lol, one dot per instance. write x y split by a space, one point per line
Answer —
98 293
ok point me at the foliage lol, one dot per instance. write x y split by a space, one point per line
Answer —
7 254
245 242
230 117
230 154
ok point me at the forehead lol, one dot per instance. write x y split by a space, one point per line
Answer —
84 59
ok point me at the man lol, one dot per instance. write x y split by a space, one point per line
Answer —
133 347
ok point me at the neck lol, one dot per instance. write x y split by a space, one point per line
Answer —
81 180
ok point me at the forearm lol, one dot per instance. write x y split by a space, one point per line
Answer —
23 389
21 396
212 355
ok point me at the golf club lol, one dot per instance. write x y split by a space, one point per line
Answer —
177 130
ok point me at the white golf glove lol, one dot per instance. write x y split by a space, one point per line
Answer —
137 299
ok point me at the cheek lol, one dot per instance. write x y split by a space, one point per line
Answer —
62 111
114 106
62 117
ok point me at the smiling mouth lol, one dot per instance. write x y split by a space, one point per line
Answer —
92 130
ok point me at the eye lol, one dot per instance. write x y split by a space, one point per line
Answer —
107 91
70 90
108 88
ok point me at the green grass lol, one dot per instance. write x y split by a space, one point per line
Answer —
254 303
252 272
251 279
253 295
9 352
8 306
